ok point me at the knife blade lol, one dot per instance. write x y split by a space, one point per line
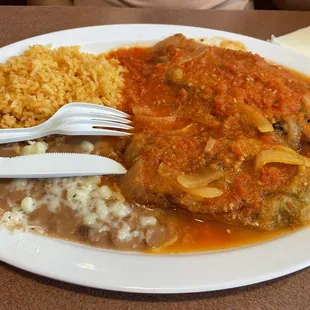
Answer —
55 165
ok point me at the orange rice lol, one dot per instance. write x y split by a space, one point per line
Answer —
34 85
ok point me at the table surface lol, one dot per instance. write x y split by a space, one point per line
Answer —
23 290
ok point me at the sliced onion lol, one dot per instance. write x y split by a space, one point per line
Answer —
306 100
286 149
165 171
204 192
155 120
204 118
281 156
293 130
134 148
257 118
143 110
305 214
170 242
160 122
188 129
203 178
133 183
210 145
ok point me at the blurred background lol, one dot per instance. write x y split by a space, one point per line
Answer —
256 4
259 4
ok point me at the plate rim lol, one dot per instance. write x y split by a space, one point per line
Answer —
32 246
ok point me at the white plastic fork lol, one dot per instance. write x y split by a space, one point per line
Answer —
74 119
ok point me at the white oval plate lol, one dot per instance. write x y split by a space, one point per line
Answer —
136 272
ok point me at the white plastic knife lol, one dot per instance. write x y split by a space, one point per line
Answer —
54 165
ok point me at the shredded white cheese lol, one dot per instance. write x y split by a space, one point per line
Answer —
119 210
17 220
28 205
105 192
87 147
147 220
124 233
101 207
35 148
90 219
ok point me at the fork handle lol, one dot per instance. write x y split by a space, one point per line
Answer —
18 137
73 132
